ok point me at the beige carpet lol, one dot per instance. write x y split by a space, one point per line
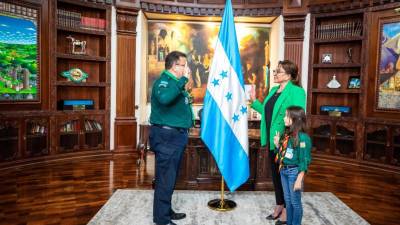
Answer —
134 207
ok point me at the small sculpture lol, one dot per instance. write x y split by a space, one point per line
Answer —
333 83
327 58
77 44
349 53
75 75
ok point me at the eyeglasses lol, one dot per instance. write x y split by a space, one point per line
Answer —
277 72
180 65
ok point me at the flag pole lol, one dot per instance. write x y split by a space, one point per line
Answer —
222 205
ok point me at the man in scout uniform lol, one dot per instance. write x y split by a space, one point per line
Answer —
171 117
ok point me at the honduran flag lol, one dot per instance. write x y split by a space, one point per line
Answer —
224 119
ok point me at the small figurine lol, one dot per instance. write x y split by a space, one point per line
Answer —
77 44
349 53
333 83
327 58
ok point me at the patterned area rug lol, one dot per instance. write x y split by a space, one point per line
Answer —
134 207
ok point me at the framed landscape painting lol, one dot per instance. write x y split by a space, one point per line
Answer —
388 72
19 64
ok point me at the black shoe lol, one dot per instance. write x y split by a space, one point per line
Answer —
170 223
177 216
278 222
271 217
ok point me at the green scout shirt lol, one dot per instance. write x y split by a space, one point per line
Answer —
170 102
301 155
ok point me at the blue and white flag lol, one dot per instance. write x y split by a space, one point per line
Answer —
224 120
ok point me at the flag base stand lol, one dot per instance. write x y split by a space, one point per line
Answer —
221 205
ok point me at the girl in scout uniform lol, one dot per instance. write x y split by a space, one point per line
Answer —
293 157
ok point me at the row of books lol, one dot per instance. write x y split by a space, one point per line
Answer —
339 30
71 19
100 1
71 126
37 129
17 9
74 126
91 125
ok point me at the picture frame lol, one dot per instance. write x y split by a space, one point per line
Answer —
387 90
354 82
20 37
326 58
196 39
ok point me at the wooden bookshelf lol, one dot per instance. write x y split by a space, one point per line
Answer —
336 136
52 131
354 136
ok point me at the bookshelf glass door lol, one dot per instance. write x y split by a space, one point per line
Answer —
93 133
36 135
69 139
9 139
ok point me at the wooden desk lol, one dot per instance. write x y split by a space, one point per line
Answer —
199 171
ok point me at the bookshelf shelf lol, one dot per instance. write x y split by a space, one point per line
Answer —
334 66
82 57
9 139
84 84
337 91
333 118
36 135
69 133
338 40
93 132
83 31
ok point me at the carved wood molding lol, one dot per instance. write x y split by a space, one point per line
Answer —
210 10
338 6
294 27
126 21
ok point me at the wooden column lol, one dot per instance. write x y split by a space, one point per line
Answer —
294 30
294 15
125 122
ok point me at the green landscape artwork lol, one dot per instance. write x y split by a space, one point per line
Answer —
18 59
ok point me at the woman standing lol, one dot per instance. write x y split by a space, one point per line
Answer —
287 93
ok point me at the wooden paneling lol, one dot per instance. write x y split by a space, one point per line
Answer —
126 75
213 7
125 134
294 36
125 121
293 52
126 3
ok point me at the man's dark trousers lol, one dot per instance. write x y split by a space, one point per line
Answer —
168 145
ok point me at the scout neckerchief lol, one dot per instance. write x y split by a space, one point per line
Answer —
282 151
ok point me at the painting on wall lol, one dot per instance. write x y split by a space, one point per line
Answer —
197 40
19 76
388 81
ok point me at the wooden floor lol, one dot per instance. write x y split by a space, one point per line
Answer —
71 192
